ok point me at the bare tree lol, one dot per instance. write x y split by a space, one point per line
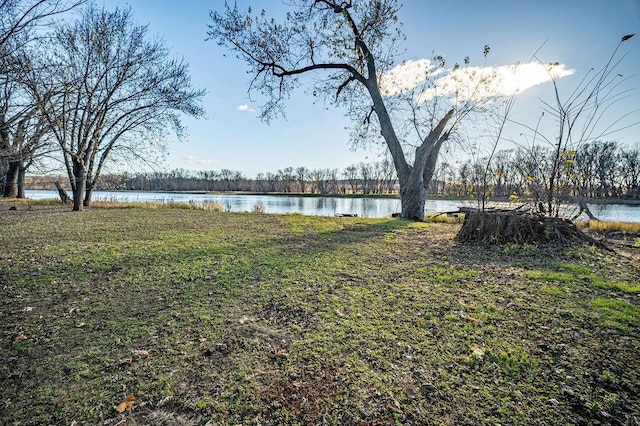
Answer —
24 130
114 90
606 168
630 171
499 117
21 145
18 17
351 174
321 181
22 127
351 44
287 178
366 177
465 178
301 176
579 118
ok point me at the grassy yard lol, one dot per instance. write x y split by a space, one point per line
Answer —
188 317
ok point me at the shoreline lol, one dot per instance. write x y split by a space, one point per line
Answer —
601 201
625 201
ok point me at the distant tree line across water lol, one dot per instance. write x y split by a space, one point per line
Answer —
599 169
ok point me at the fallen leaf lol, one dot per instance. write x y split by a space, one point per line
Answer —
282 353
140 354
127 403
126 361
339 313
244 320
27 309
472 319
21 337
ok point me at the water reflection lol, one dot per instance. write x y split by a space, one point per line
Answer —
318 206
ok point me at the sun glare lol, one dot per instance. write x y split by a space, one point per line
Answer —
468 83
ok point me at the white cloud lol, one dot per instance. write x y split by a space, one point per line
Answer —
407 76
192 159
245 108
469 82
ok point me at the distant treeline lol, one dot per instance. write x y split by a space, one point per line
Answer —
595 170
364 178
599 169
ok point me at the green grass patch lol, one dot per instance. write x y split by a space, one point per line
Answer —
606 283
443 218
552 276
514 360
571 274
239 318
552 289
445 275
618 313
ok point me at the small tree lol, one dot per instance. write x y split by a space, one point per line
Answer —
551 169
579 119
113 89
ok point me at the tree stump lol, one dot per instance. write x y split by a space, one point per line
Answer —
501 227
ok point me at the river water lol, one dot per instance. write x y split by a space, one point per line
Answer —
317 206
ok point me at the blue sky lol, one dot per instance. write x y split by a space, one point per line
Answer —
579 34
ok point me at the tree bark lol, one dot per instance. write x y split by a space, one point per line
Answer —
61 192
503 227
412 199
80 182
88 193
22 173
11 182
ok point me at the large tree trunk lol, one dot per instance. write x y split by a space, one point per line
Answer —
11 180
413 187
412 201
88 193
22 173
80 182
